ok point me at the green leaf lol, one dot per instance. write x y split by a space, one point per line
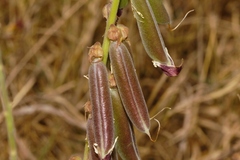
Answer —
159 11
123 3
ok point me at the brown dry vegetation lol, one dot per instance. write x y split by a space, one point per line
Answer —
45 44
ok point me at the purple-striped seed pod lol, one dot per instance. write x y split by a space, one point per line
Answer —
126 145
102 113
128 85
91 139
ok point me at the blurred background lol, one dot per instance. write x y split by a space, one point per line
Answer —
45 45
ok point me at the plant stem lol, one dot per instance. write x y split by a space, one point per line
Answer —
111 20
86 150
7 110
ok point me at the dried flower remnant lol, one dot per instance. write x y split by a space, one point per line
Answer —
106 10
118 33
114 33
151 37
124 31
88 110
102 114
107 7
95 53
129 87
169 70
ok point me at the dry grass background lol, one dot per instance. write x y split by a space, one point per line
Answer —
45 44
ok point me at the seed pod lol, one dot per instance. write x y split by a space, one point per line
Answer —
129 87
160 12
91 139
151 37
102 113
125 146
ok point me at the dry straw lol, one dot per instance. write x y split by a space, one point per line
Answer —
204 120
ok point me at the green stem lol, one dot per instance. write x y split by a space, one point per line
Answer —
7 110
111 20
86 151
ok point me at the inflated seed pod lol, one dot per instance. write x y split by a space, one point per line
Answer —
102 113
128 86
151 37
159 11
125 146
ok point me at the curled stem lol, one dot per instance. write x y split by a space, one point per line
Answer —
172 29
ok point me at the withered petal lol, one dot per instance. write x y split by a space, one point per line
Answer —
169 70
